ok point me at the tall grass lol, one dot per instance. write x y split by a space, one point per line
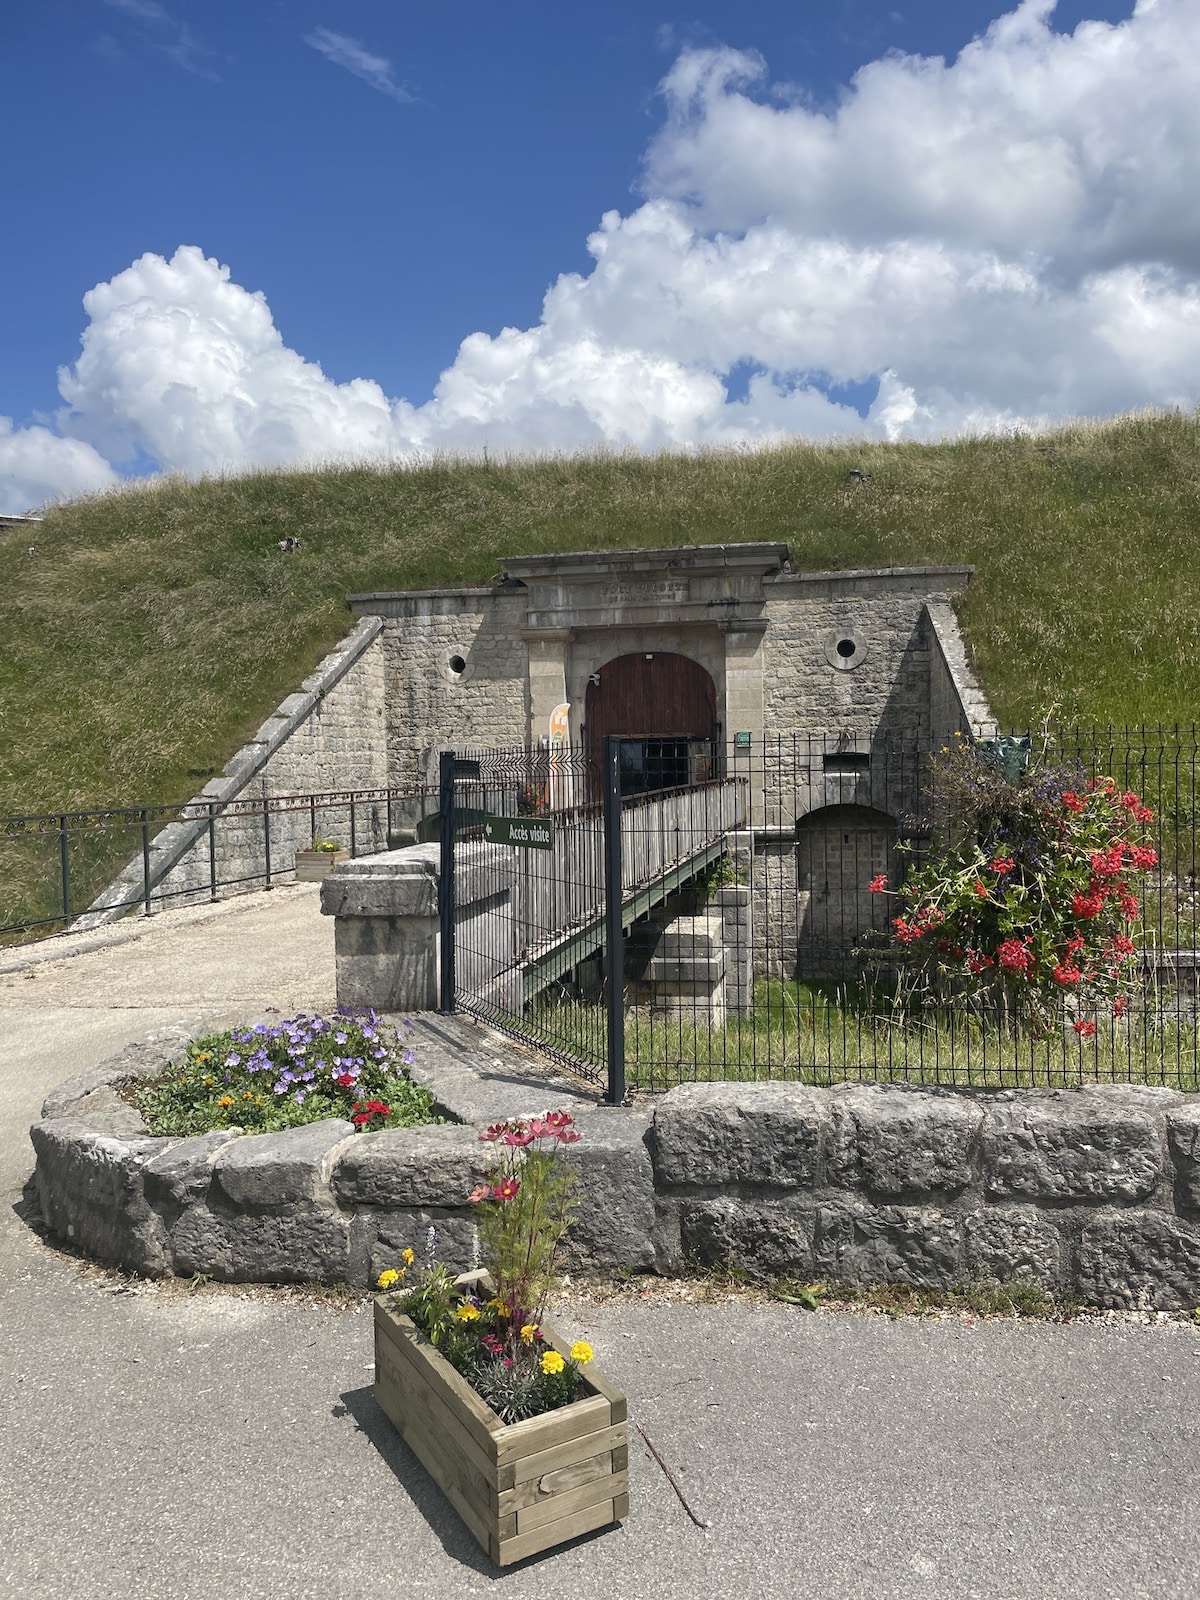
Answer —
149 631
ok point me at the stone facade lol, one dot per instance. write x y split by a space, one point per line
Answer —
1093 1193
864 653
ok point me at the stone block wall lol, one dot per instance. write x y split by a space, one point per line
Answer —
328 737
1088 1192
1091 1193
433 702
880 679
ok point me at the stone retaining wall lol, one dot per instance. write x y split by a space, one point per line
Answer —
1093 1192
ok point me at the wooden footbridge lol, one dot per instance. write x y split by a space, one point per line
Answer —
532 909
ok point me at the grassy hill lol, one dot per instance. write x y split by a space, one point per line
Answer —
150 630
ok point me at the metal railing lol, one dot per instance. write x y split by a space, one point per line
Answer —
78 868
752 946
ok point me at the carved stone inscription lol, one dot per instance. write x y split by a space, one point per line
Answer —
665 591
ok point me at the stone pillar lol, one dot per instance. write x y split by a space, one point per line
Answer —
687 972
733 904
386 929
547 676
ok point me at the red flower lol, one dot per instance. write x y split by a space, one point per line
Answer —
1129 907
1065 974
1086 906
878 884
978 963
980 889
1143 814
506 1189
1144 856
346 1081
1130 801
1014 956
1084 1028
1120 1005
1072 801
1001 864
906 932
1075 944
1122 944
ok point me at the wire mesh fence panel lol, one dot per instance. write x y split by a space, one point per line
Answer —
760 892
528 898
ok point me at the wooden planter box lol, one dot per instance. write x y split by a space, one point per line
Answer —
313 865
520 1487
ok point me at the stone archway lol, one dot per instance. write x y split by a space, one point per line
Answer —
666 704
839 849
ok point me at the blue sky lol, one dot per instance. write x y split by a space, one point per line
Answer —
903 219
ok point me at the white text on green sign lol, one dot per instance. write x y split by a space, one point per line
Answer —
526 833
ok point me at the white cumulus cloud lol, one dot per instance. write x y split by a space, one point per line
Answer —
981 242
37 465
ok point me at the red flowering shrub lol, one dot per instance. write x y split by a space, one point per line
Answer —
1029 898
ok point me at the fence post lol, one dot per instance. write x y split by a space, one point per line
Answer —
614 932
64 862
146 861
446 883
266 805
212 852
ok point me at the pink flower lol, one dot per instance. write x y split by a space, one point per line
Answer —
481 1191
568 1136
539 1128
506 1189
518 1135
496 1131
559 1119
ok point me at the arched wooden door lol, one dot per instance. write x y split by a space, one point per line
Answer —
667 705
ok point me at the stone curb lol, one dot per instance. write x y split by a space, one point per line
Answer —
1093 1192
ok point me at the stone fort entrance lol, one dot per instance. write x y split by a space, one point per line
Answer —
664 706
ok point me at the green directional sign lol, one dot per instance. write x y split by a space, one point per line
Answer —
526 833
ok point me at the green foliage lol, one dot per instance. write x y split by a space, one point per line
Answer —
282 1075
164 622
1026 906
495 1338
523 1207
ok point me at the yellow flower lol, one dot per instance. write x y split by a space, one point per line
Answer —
582 1352
499 1307
225 1100
528 1332
247 1095
407 1257
207 1056
552 1362
386 1279
467 1312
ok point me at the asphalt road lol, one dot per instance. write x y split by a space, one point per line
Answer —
165 1443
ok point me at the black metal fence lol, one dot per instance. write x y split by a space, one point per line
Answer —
64 868
738 913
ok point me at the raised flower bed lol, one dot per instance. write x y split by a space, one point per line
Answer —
519 1487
